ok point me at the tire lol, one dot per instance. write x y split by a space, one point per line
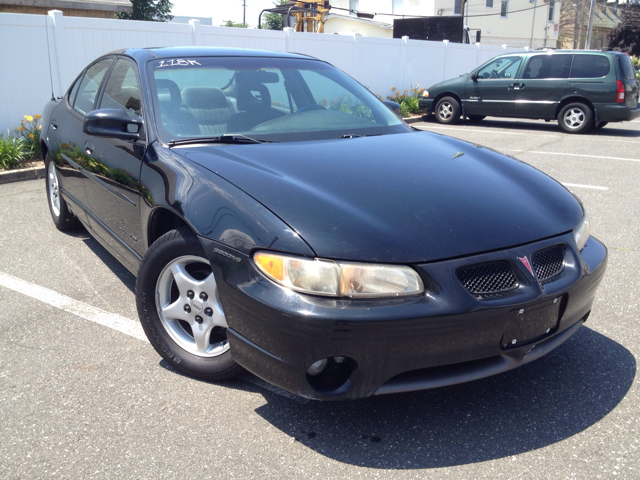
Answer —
476 118
62 217
176 271
600 125
447 110
575 118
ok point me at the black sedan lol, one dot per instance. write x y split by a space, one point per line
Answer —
280 218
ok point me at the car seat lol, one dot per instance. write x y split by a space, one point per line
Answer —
210 108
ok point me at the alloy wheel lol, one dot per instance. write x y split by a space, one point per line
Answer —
54 189
445 111
574 118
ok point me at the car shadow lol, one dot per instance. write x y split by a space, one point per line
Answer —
536 405
119 270
610 130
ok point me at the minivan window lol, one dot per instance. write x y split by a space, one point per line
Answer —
548 66
589 66
625 67
501 67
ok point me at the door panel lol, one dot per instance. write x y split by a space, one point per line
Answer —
492 93
113 193
542 86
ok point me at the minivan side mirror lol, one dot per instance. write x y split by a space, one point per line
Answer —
113 123
474 76
394 107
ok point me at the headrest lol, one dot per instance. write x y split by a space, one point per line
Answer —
247 101
175 99
206 98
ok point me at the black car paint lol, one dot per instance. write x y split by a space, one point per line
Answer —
241 198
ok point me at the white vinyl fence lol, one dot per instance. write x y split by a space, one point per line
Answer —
34 48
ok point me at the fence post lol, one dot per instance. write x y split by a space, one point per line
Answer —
56 46
288 32
444 62
195 26
405 40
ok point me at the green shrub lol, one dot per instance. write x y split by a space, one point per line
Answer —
413 104
29 130
404 109
12 151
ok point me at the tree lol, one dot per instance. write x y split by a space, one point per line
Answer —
274 21
149 10
229 23
626 36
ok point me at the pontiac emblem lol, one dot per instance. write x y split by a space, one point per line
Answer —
525 262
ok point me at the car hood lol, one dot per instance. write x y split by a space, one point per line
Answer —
402 198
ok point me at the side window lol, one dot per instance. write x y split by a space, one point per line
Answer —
589 66
74 91
122 90
89 85
548 66
503 67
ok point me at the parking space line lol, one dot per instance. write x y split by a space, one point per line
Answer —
68 304
578 185
572 155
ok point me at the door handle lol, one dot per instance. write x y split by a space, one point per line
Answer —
54 124
88 146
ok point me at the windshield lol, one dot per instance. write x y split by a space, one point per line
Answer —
270 99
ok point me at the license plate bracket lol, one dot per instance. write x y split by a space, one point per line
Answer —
530 323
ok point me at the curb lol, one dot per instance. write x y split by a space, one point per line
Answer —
410 120
32 173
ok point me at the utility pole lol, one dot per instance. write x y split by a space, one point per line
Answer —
533 24
590 29
244 12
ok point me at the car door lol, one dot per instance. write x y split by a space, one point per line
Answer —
66 126
542 85
490 90
113 191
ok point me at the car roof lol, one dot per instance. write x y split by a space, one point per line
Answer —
168 52
559 52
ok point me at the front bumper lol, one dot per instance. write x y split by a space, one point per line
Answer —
426 104
443 337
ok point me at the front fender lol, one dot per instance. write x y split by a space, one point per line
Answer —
213 207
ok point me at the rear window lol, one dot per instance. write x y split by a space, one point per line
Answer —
589 66
625 67
548 66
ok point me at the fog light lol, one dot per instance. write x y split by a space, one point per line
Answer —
317 367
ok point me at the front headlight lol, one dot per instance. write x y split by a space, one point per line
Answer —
338 279
581 232
425 94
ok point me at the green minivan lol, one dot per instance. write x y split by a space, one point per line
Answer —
582 89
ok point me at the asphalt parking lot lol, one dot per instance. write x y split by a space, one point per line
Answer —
81 399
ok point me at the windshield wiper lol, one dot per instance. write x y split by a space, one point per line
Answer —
227 138
355 135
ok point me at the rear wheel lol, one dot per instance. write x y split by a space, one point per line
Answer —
575 118
179 307
447 110
60 214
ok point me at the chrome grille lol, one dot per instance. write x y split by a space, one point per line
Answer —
487 278
548 263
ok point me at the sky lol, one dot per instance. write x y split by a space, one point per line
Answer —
221 10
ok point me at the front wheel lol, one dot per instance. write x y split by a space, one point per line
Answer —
575 118
447 110
179 306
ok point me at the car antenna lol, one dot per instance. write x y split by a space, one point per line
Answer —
46 31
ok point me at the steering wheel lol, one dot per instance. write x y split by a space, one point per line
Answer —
494 74
313 106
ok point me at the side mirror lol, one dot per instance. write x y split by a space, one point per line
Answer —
474 76
113 123
394 107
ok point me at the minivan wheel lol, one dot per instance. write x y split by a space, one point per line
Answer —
447 110
179 306
575 118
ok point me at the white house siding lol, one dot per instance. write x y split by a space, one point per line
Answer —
346 26
515 29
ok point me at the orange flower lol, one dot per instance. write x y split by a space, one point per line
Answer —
38 117
31 136
393 88
21 128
